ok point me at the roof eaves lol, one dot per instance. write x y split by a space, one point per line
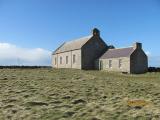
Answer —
66 51
121 48
54 52
115 57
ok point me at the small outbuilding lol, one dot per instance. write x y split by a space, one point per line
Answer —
129 60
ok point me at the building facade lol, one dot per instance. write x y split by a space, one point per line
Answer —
129 60
93 53
80 53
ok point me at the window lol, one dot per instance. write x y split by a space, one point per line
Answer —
101 65
74 58
66 59
120 63
110 63
60 60
55 61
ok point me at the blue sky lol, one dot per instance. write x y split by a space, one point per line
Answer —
37 27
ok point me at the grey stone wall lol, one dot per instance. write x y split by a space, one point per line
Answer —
139 61
91 51
85 57
136 63
70 63
125 64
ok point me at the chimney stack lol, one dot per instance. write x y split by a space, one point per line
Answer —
137 45
96 32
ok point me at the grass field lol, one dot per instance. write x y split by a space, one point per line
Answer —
67 94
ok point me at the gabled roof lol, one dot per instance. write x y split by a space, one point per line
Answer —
116 53
72 45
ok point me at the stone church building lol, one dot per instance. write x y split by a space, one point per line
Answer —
92 52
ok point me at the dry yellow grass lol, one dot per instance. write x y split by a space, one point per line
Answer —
137 103
68 94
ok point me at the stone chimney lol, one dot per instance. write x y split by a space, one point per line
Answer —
95 32
137 45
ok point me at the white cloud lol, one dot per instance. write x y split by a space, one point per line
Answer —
13 55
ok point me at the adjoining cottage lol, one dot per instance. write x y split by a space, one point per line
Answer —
80 53
130 60
93 53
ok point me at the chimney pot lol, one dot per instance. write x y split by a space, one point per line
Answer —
137 45
95 32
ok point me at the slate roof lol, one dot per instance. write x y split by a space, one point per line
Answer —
72 45
116 53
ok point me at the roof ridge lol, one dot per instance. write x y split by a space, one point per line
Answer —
121 48
77 39
116 53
